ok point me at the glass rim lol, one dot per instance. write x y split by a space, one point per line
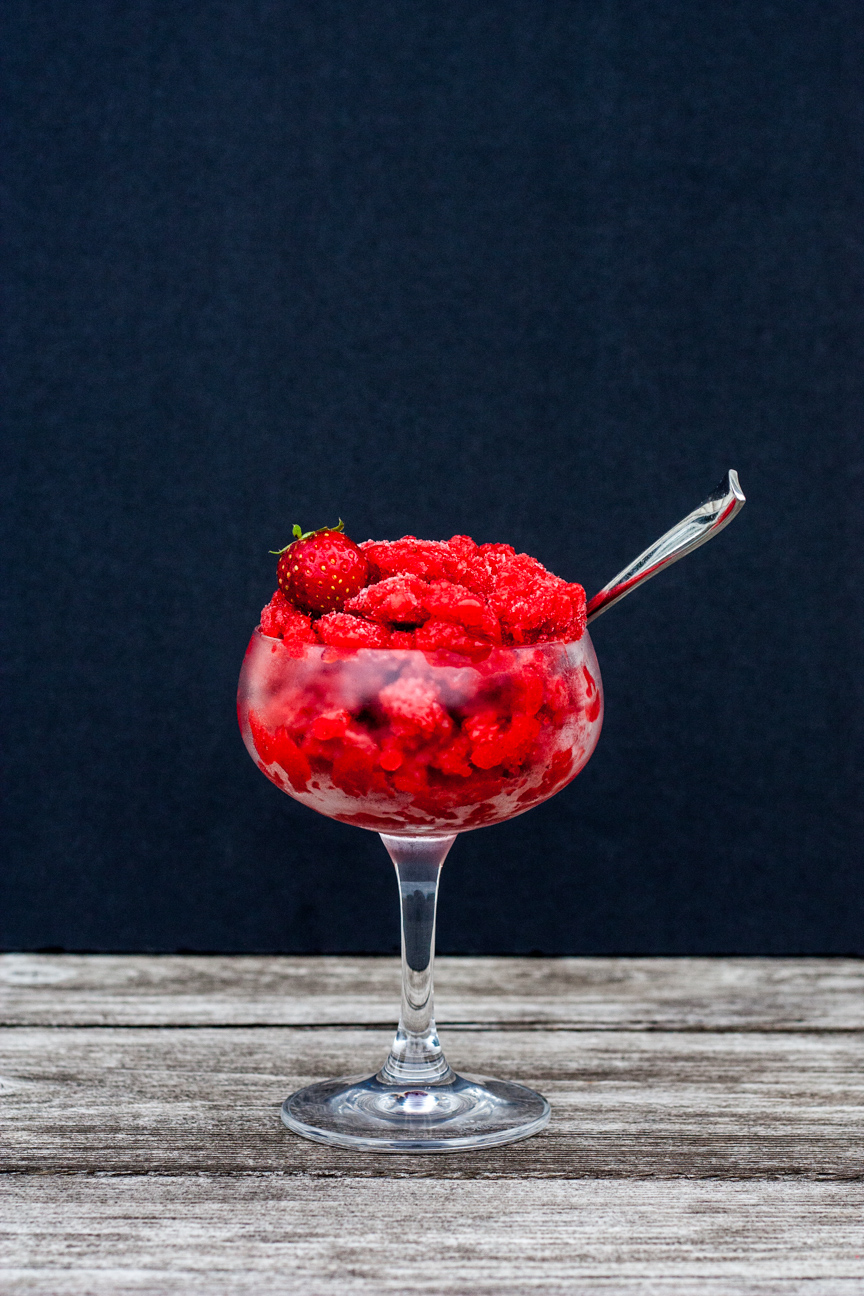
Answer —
546 643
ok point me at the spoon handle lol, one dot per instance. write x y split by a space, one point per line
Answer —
694 530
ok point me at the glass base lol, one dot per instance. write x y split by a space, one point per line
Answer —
374 1116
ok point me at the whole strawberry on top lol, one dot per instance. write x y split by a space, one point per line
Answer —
320 570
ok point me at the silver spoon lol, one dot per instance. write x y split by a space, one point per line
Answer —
696 529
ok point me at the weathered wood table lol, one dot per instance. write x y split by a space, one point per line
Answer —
707 1131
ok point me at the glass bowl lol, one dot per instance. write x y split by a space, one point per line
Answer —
419 746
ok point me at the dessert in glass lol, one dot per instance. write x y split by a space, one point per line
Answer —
418 689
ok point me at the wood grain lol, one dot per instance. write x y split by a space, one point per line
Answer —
594 993
247 1234
626 1105
707 1131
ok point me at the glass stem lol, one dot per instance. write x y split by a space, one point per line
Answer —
416 1056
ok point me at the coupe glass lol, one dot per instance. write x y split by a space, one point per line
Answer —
418 747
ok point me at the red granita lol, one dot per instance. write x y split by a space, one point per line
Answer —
280 619
452 691
344 631
408 557
490 592
393 601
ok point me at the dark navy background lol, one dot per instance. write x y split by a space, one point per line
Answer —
539 271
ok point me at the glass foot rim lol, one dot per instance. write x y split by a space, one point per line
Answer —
533 1117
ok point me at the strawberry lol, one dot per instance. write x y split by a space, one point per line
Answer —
320 570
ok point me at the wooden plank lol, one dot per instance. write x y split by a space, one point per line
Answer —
626 1104
591 993
238 1236
702 1109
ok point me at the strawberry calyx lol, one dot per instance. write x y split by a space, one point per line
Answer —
299 534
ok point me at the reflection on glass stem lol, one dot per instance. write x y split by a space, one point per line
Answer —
416 1055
